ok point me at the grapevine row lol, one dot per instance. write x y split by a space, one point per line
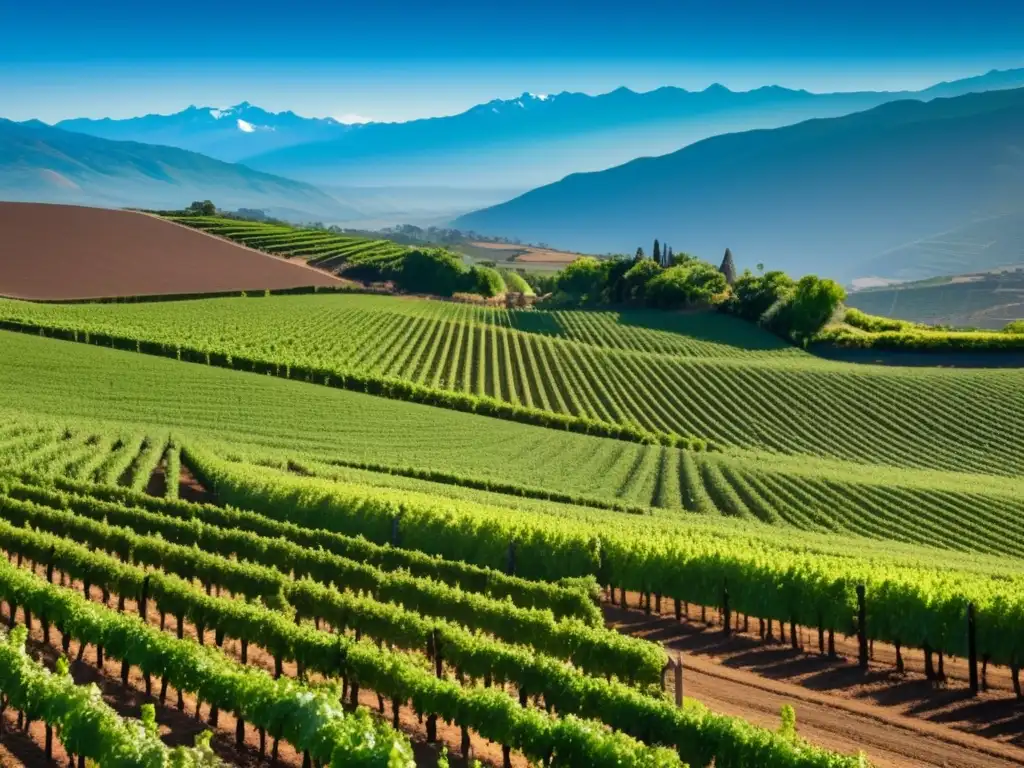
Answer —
695 733
86 724
596 650
395 675
909 604
570 600
310 719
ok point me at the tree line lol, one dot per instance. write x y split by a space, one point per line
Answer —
793 309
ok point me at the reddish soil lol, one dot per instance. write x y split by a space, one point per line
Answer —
190 489
71 252
157 485
181 726
898 720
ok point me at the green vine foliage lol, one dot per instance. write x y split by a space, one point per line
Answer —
87 725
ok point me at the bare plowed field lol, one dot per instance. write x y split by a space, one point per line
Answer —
70 252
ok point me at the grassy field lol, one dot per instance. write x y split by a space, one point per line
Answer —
707 375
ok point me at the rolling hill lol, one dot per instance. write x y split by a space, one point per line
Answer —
75 252
985 300
823 196
39 163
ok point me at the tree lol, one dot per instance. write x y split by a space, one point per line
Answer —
728 267
760 267
669 257
639 254
656 253
202 208
615 288
753 295
807 308
1015 326
583 279
692 284
634 282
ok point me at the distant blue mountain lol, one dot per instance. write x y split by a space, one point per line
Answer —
827 195
513 143
44 164
227 134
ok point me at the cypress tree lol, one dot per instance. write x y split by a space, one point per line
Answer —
656 254
669 258
639 254
728 267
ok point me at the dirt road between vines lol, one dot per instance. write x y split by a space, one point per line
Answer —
897 720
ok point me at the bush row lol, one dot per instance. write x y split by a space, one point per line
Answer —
923 341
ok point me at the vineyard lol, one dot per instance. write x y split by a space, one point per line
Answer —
280 627
680 379
318 575
318 248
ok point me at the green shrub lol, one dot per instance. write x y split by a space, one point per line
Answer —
924 341
1017 326
515 283
687 285
487 282
806 309
419 270
636 279
753 295
584 278
874 323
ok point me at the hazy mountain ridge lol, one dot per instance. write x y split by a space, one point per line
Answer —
825 195
45 164
229 134
517 143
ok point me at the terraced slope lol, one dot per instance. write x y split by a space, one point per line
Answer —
705 375
326 250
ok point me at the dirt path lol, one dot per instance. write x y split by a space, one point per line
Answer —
897 720
190 489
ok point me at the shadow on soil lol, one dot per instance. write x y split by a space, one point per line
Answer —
996 714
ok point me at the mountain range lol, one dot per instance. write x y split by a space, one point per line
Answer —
45 164
514 144
842 196
873 181
230 134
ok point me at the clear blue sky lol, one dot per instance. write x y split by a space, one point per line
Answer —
389 60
